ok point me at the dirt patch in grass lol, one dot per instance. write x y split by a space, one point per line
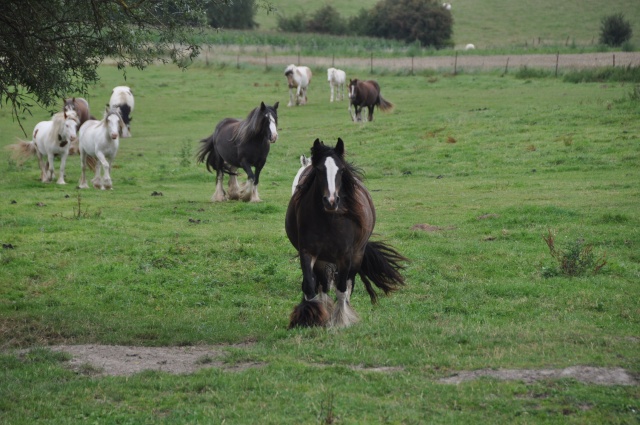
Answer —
585 374
117 360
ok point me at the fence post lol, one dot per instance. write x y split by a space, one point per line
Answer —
371 66
266 63
238 62
557 60
506 67
333 61
298 58
455 65
614 60
411 65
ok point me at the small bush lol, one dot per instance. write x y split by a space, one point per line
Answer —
576 259
615 30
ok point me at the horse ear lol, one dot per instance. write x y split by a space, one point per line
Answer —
340 147
262 106
275 105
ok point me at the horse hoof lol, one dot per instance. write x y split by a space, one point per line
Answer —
308 314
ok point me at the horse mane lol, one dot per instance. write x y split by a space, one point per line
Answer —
58 122
250 127
351 177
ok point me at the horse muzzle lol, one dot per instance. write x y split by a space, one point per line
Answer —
331 203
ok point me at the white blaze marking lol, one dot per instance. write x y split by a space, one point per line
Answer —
332 170
272 128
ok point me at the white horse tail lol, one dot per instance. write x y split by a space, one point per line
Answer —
23 150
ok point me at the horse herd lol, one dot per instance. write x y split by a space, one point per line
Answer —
330 217
73 130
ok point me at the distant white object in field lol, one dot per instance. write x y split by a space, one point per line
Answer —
304 163
337 79
469 47
446 6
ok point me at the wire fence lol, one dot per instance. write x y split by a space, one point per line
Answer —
452 64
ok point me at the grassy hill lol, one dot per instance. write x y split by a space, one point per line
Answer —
500 23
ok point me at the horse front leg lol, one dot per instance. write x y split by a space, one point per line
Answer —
290 96
343 315
311 311
101 183
63 164
331 98
371 112
250 189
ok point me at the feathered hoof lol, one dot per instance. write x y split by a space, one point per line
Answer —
308 314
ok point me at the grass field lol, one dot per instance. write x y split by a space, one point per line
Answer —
491 24
486 165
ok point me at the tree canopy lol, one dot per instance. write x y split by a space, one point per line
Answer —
50 49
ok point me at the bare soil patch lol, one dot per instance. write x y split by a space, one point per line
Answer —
117 360
585 374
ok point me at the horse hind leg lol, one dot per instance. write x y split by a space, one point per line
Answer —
219 195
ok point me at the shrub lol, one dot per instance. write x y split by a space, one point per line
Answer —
576 259
425 21
238 14
327 20
296 23
615 30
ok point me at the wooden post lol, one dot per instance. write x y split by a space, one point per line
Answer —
614 60
298 58
266 63
411 65
455 65
506 67
371 66
238 62
557 60
333 61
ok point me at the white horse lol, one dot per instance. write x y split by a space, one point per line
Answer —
469 47
50 139
447 6
122 99
298 78
304 163
337 79
100 140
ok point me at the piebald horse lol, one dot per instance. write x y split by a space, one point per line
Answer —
329 221
298 78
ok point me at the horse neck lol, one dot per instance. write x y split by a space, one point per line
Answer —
251 129
58 127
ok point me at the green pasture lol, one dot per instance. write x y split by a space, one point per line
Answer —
468 173
495 24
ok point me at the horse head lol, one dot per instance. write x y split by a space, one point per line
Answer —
114 123
69 131
329 166
353 88
271 114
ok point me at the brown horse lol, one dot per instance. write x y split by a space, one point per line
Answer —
366 93
329 221
81 106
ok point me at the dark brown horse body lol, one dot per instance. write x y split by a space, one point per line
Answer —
366 94
329 221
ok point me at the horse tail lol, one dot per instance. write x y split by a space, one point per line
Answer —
22 150
384 105
382 265
207 148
